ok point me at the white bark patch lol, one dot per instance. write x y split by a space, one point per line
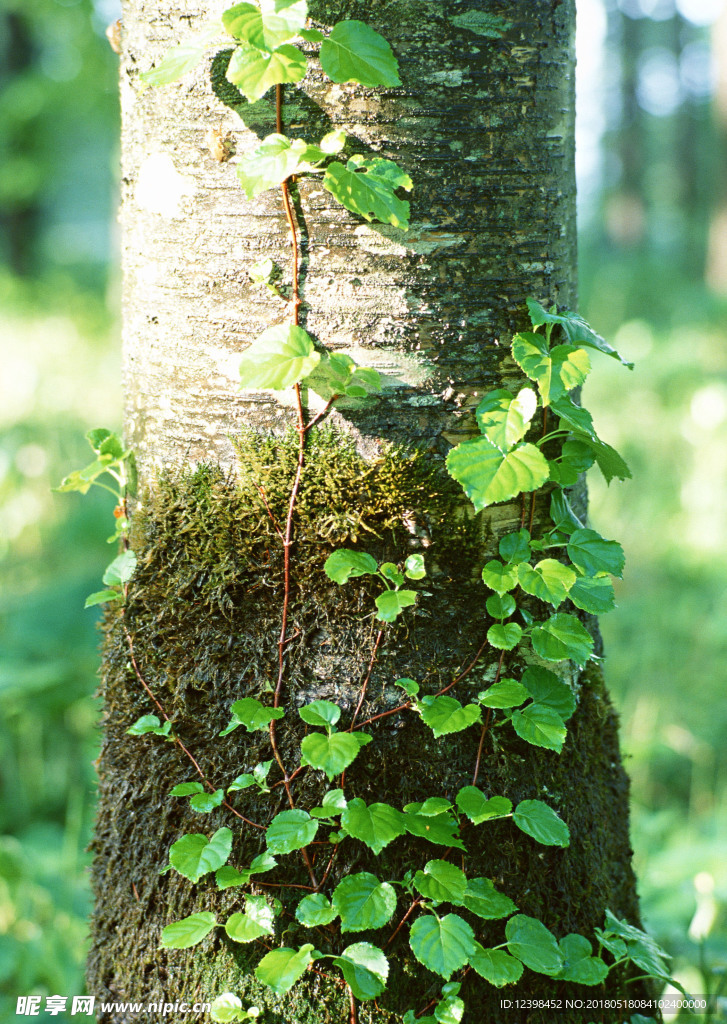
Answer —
161 188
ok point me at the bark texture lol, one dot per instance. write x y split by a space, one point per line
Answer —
485 127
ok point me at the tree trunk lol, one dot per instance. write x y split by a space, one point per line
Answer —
485 128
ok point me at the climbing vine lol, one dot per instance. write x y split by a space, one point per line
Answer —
532 447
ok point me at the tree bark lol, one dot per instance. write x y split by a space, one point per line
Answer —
485 128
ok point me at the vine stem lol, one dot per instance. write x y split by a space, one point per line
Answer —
486 723
532 497
401 923
377 642
353 1018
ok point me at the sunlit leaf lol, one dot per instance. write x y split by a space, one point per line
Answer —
353 52
489 476
366 186
282 356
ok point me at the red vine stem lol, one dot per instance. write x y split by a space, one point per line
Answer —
377 642
401 923
353 1018
486 723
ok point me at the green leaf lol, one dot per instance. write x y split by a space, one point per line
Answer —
576 329
195 855
496 966
149 724
392 603
445 715
365 969
515 547
548 580
121 569
363 902
449 1010
593 594
267 26
366 186
562 636
530 941
281 357
431 808
439 829
592 554
489 476
555 370
227 877
323 713
482 898
102 596
253 714
255 71
409 686
541 822
290 830
414 567
353 52
203 803
281 968
478 808
500 606
375 825
274 160
541 726
442 945
581 967
189 931
564 518
505 637
507 693
640 947
609 461
499 577
442 882
338 375
227 1007
546 688
332 753
574 416
187 788
334 802
256 921
184 57
504 419
103 442
391 573
315 911
343 564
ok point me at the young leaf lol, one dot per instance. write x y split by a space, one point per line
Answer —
256 921
562 636
365 969
203 803
515 547
102 596
593 594
344 564
504 419
187 789
580 966
149 724
478 808
496 966
274 160
353 52
184 57
375 825
363 902
255 71
290 830
414 567
507 693
227 877
498 577
504 637
391 573
541 726
546 688
450 1009
592 554
189 931
576 329
366 186
500 606
267 26
549 580
442 882
442 945
253 714
322 713
392 603
530 941
281 968
334 802
541 822
445 715
315 911
121 569
482 898
227 1007
195 855
282 356
554 370
332 753
490 476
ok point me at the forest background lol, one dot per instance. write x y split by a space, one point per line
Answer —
652 170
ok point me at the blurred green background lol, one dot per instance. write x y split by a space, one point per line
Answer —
652 144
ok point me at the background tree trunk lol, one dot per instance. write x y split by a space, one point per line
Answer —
485 128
